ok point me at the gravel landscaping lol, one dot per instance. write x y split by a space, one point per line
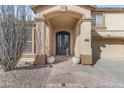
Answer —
25 76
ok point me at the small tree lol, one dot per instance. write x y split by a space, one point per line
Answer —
13 34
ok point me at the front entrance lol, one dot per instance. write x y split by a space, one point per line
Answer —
63 43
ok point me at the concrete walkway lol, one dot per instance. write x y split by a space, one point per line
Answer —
113 68
66 74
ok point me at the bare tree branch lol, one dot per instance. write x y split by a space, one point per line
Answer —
14 26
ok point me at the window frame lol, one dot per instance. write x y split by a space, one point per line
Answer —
33 42
103 18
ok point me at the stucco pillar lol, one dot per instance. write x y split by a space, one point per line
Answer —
40 57
85 41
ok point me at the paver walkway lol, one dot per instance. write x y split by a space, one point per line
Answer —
66 74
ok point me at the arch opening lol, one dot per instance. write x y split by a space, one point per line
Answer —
63 19
63 22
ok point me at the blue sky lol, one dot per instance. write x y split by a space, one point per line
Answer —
32 13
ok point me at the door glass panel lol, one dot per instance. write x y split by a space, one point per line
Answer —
63 43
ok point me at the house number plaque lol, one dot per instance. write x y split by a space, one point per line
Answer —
87 40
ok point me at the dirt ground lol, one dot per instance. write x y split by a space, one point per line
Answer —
106 73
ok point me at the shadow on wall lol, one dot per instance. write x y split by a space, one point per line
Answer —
96 48
99 43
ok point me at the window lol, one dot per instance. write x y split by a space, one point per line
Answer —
98 19
28 48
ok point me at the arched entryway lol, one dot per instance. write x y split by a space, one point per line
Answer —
59 21
62 43
73 19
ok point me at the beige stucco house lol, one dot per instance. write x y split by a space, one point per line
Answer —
85 31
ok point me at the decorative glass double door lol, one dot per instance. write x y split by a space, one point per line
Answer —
62 43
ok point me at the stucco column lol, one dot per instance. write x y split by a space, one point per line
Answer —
40 57
85 41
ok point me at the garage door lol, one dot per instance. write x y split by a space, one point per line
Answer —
106 48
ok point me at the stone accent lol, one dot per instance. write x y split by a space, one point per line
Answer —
40 59
50 59
86 59
75 60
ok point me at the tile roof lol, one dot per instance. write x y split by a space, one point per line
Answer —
110 6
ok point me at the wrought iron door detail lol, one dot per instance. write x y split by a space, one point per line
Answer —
62 43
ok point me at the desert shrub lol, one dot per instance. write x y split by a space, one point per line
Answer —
14 23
